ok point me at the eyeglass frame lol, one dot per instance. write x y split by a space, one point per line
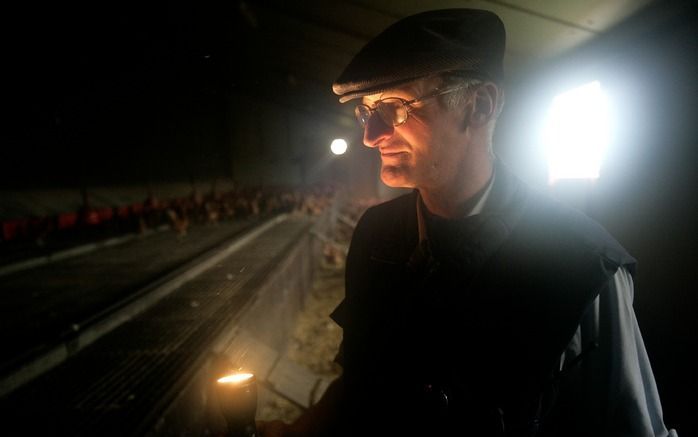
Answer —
405 103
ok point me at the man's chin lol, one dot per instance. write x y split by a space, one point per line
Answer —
395 177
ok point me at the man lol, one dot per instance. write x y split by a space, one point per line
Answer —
474 305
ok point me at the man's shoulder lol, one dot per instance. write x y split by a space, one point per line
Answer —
546 219
556 221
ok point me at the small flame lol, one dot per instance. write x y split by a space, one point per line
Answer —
235 378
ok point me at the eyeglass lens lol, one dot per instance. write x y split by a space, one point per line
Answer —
392 111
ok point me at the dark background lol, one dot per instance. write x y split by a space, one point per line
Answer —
132 94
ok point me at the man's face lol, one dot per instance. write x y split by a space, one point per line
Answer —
425 152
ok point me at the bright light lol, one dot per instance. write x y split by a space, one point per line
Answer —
235 378
338 146
577 133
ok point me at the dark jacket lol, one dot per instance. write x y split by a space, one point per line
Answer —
465 331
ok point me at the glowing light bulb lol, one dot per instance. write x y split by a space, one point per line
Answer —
577 133
338 146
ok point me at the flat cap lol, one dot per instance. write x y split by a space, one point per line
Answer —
426 44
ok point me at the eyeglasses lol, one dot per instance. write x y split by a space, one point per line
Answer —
395 111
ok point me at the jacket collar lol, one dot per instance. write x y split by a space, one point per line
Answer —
475 237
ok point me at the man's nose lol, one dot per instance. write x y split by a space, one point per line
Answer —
376 130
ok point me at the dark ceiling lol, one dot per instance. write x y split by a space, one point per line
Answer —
287 51
299 48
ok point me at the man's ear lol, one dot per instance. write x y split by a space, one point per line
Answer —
485 104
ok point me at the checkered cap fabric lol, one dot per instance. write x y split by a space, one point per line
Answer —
429 43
